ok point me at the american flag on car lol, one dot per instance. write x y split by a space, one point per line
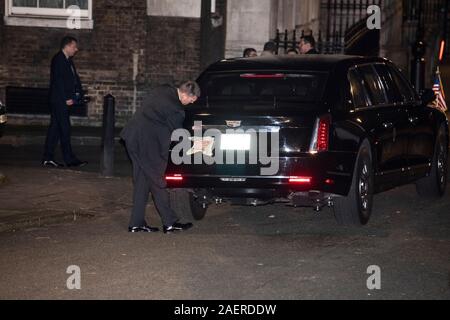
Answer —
439 91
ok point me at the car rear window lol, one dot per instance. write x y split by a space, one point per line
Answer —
299 87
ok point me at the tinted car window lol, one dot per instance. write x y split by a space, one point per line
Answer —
372 84
357 89
390 87
267 86
406 91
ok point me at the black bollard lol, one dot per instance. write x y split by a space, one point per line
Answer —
109 119
418 65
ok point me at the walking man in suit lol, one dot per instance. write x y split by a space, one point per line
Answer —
147 137
65 93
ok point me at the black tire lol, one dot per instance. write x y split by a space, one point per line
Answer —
433 186
185 205
356 208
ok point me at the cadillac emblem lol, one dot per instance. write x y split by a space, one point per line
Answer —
234 124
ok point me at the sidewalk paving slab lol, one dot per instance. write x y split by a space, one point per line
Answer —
33 197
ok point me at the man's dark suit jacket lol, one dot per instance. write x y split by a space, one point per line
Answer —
64 80
312 51
148 133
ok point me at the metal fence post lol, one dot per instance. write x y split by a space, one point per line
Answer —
109 118
418 65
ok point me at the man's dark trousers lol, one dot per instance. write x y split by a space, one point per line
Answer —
59 130
149 166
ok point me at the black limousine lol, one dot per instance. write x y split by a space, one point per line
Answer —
339 129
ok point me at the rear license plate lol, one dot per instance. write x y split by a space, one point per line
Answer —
236 142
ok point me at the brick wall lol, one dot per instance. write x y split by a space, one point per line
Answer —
164 49
173 49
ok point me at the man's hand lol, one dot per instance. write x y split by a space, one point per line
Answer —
206 143
70 102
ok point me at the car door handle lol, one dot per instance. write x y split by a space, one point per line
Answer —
388 125
413 120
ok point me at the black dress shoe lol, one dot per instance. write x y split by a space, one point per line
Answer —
142 229
177 227
52 164
77 164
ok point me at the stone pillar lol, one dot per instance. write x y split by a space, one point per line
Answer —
249 24
184 8
288 13
213 31
392 45
307 16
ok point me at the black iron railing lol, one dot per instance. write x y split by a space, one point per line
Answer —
419 16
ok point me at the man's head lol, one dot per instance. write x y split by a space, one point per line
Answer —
69 45
250 53
189 92
270 48
306 43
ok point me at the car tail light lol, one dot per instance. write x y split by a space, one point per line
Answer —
177 177
300 180
321 135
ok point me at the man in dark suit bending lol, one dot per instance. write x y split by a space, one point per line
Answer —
148 137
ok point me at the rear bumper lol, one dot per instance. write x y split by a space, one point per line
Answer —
329 173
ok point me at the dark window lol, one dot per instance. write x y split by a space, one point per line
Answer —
406 91
357 89
372 84
281 88
22 100
390 87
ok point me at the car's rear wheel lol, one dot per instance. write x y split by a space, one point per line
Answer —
434 185
186 205
356 208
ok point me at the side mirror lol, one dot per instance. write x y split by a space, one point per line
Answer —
427 96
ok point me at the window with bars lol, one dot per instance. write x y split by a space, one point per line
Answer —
49 8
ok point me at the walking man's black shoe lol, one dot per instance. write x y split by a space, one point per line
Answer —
51 164
142 229
177 227
77 164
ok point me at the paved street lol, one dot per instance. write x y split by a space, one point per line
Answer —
272 252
